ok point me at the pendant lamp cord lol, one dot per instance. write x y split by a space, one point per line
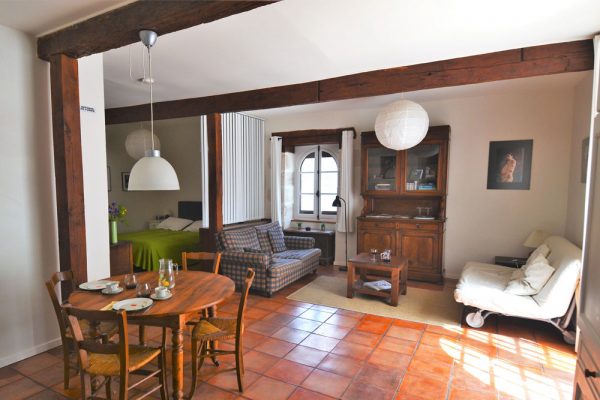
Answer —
151 102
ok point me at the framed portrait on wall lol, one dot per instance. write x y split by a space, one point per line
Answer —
125 181
509 165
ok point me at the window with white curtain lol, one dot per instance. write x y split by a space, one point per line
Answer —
243 167
317 170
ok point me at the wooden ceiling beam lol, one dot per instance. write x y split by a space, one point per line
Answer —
120 26
518 63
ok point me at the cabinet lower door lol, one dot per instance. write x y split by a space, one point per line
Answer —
422 251
375 239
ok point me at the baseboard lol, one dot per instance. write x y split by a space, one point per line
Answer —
40 348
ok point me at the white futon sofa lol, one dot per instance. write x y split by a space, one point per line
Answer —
483 286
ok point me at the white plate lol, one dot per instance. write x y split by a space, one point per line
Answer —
94 285
105 291
136 304
168 296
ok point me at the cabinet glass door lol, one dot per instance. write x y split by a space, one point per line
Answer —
422 170
381 169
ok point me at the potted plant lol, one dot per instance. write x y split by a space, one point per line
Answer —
116 213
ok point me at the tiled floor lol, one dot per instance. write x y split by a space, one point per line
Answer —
303 351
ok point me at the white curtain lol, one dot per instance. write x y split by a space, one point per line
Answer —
276 179
346 188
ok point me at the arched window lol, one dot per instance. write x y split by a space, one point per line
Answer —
317 182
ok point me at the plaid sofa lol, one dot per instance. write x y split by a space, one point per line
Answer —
250 248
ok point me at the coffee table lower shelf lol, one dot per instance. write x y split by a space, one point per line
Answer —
359 287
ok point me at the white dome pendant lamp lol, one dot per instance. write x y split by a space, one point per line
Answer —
401 125
152 172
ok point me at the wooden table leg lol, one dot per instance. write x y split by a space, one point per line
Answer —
351 278
177 359
395 287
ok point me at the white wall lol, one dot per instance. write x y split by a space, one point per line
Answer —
29 238
581 130
481 223
93 143
180 145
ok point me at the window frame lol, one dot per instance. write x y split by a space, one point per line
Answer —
301 153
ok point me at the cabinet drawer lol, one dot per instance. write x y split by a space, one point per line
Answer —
377 224
420 226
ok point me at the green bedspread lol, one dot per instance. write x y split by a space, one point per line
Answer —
152 245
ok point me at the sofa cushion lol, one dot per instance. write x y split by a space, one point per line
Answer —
262 231
259 251
305 255
277 240
531 278
240 239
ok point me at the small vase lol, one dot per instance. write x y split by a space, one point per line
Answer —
113 232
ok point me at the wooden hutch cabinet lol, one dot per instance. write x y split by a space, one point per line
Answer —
404 196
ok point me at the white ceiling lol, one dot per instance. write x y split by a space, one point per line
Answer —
296 41
38 17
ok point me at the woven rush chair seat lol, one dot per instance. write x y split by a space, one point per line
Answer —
215 328
109 364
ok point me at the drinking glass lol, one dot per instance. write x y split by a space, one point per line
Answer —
143 290
166 276
130 281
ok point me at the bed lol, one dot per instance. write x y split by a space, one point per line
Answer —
151 245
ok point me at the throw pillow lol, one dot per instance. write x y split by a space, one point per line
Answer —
531 278
262 231
240 239
542 249
174 224
277 240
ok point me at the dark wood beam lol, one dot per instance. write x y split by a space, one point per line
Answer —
510 64
120 27
66 133
214 144
291 139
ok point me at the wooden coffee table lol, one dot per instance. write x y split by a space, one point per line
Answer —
397 267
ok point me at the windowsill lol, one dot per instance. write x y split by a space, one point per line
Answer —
315 221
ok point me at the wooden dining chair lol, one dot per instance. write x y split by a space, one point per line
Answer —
201 256
104 330
110 359
211 329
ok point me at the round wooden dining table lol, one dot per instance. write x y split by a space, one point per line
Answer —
193 292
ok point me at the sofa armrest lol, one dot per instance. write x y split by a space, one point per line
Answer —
299 242
253 260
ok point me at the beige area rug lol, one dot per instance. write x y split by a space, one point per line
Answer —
419 305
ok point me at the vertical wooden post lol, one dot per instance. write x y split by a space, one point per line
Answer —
214 141
66 132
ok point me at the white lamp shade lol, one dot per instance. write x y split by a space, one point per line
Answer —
153 173
139 142
401 125
536 238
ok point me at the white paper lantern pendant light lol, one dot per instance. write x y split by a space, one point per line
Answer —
152 172
139 142
401 125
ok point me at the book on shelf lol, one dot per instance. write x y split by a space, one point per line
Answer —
378 285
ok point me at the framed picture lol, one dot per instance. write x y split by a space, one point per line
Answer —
108 178
509 165
585 146
125 181
415 175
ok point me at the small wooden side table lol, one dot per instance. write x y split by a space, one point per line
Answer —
397 267
513 262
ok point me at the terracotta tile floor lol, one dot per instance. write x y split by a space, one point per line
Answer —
297 350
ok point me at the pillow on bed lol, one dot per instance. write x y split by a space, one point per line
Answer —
174 224
194 227
530 278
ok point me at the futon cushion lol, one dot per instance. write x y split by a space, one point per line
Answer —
531 278
240 239
277 240
542 249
